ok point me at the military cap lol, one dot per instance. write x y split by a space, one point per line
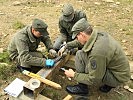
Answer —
40 26
68 12
79 26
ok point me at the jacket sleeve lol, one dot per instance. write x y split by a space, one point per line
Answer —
61 28
82 15
24 55
74 44
94 72
47 41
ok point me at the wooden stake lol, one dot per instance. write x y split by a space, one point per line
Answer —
46 81
68 97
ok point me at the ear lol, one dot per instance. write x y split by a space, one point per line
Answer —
32 30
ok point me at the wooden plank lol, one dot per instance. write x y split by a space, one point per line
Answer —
45 73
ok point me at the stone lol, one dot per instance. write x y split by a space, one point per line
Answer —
1 50
109 1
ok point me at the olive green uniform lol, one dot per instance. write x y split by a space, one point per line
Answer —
22 48
101 60
65 30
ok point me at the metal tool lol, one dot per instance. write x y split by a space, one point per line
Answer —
63 69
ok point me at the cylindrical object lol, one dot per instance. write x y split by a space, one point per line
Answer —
35 83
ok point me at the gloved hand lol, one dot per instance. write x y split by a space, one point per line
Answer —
63 48
49 63
52 52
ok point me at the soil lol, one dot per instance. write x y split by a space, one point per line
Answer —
114 17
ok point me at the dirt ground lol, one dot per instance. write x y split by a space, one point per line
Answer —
113 16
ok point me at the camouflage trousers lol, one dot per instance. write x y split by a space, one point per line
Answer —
23 63
81 62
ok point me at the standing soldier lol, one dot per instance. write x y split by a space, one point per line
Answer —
68 18
101 60
23 46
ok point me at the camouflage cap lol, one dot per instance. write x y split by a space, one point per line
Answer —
79 26
40 26
68 12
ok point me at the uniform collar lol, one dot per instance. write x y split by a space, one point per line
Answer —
30 34
88 45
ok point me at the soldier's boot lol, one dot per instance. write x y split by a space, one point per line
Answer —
79 89
105 88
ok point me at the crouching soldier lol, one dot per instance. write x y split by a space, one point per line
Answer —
101 60
23 46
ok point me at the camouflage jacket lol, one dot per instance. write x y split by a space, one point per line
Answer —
104 52
65 27
24 42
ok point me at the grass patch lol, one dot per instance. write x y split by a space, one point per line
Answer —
7 68
4 57
18 25
6 71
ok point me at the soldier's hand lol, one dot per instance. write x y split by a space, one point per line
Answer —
61 51
69 73
52 52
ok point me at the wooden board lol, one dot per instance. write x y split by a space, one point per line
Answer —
45 73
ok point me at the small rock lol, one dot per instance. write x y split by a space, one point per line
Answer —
1 50
16 3
132 77
109 1
131 90
127 53
3 64
32 15
2 13
117 3
97 3
124 48
124 41
126 87
109 11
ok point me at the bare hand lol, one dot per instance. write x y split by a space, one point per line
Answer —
69 73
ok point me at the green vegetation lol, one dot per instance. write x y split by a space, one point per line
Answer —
4 57
18 25
6 71
6 67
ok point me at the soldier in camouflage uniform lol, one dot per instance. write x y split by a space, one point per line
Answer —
23 46
101 60
68 18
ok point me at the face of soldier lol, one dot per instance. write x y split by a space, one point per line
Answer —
36 33
82 38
